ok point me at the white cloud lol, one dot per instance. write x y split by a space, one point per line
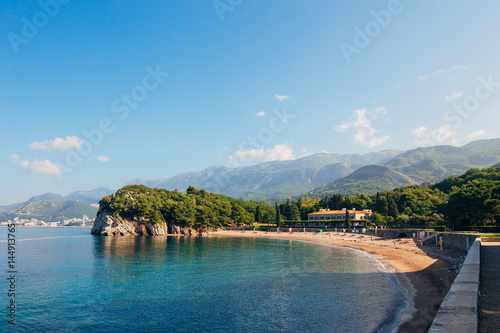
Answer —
441 71
44 168
420 132
475 135
454 68
425 77
379 111
280 152
304 152
426 136
102 158
364 134
14 158
342 127
444 132
282 98
58 144
454 95
261 113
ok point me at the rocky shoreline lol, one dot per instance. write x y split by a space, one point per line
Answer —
106 224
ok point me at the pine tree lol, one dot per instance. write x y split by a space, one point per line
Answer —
392 208
381 204
294 213
299 203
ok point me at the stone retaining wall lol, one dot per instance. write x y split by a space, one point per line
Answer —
458 312
458 241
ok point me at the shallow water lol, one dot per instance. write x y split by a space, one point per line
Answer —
177 284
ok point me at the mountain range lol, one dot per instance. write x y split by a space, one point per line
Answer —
321 174
369 179
272 180
314 175
51 206
51 210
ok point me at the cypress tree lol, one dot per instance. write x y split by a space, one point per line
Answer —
258 215
278 215
348 219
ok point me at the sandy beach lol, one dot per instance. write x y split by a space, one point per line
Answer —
426 272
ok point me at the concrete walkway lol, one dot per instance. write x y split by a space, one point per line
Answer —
489 303
458 311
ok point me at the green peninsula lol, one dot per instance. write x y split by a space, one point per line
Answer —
140 210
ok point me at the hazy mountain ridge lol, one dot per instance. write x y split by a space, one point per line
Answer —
271 180
7 208
318 174
51 210
282 179
369 179
45 197
420 165
433 164
54 206
35 198
90 197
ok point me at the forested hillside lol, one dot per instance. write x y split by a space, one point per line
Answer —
472 199
196 208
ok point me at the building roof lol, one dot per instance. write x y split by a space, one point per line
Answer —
336 212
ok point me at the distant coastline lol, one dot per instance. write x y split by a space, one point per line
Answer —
48 226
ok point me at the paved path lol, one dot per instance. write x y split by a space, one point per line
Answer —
489 304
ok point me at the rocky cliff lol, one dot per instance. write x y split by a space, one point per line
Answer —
140 210
106 224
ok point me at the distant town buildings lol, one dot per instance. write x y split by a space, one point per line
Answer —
33 222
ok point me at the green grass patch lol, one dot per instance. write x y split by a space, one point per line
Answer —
491 235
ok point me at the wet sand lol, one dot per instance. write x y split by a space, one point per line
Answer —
426 272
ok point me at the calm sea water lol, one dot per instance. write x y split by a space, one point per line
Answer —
174 284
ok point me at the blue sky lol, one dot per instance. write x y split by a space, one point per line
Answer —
98 93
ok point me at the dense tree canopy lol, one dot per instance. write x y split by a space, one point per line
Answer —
472 199
196 208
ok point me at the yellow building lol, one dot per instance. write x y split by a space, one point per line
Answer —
339 215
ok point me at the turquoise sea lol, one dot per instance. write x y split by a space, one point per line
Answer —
70 281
